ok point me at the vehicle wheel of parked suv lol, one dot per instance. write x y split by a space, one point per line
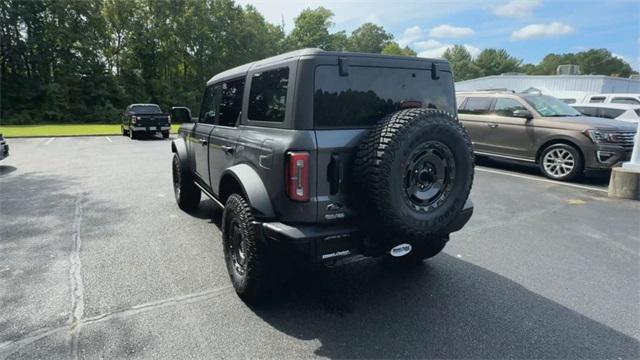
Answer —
561 162
165 134
124 132
132 135
246 257
186 192
414 171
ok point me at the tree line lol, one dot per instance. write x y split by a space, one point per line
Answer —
85 60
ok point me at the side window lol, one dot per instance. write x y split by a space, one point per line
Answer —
476 105
231 102
597 99
268 95
625 100
210 104
568 101
610 113
506 107
587 111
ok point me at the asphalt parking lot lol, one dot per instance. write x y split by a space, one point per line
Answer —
96 260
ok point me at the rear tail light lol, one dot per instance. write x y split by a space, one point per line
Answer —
297 175
134 119
169 119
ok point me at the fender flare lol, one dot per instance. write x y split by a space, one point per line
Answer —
179 147
254 190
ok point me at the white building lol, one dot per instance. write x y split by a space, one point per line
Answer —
561 86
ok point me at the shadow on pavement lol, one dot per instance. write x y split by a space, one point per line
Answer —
597 178
37 214
7 169
446 308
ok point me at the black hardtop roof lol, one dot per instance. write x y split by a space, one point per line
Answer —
307 52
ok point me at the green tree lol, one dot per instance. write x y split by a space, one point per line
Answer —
369 38
495 62
311 29
392 48
461 63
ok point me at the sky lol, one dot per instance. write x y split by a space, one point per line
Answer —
527 29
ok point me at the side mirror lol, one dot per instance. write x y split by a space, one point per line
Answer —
180 114
523 114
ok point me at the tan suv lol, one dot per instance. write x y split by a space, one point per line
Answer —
543 130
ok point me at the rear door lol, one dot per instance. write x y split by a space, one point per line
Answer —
223 138
474 115
199 137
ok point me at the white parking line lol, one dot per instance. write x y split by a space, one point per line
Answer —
493 171
108 138
49 141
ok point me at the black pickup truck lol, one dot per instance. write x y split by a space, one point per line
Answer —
148 119
323 156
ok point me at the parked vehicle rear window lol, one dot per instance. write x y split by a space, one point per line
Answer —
476 106
145 109
268 95
625 100
611 113
587 111
368 94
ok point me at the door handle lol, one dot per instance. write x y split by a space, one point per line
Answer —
227 149
203 142
493 125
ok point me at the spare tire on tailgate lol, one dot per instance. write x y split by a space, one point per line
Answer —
413 174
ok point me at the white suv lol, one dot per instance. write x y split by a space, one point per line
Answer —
622 98
624 112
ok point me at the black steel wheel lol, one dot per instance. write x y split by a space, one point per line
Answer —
245 255
428 175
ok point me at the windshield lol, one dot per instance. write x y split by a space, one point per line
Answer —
550 106
146 109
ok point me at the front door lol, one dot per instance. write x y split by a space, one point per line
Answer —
509 135
199 139
224 137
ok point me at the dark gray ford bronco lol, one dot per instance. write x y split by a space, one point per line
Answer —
326 155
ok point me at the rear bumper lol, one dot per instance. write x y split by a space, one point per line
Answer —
319 243
150 129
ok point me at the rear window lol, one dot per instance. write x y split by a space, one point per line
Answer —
145 109
368 94
268 95
476 106
611 113
625 100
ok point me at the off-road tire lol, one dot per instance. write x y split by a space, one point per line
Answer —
578 162
253 280
380 175
186 192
